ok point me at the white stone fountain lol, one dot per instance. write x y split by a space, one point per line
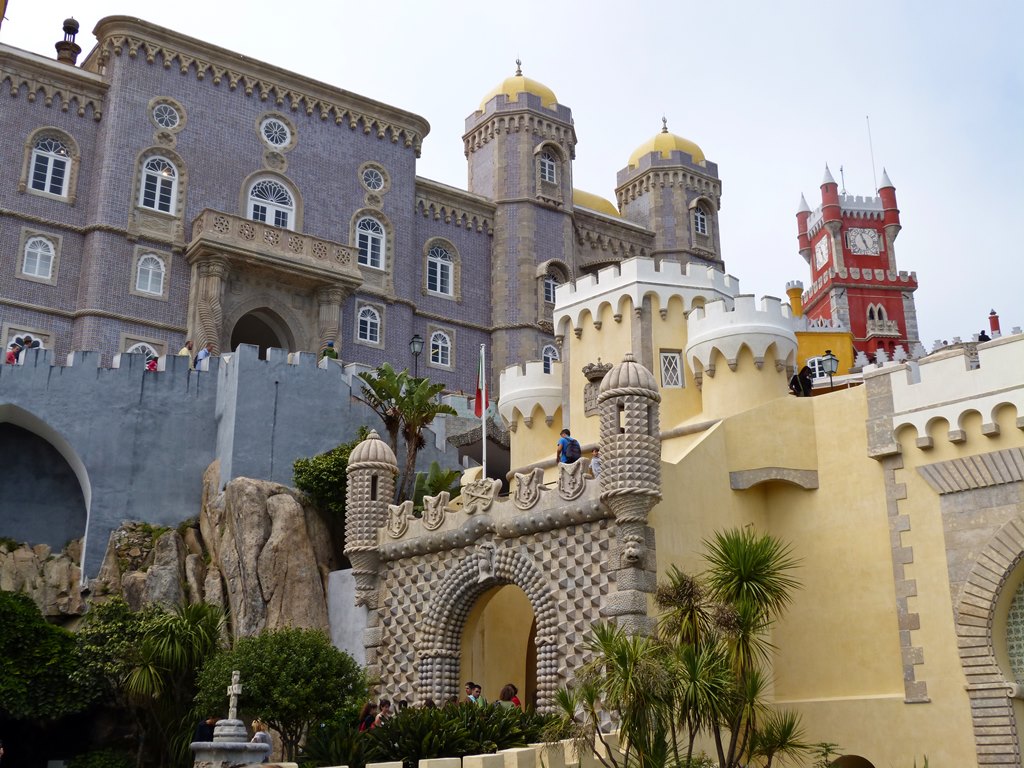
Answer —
230 745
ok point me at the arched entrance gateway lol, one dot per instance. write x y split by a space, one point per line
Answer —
505 589
263 328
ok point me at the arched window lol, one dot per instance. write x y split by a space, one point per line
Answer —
871 313
440 349
143 348
548 168
159 185
549 355
439 271
272 203
551 282
369 325
370 239
51 161
700 220
149 276
38 261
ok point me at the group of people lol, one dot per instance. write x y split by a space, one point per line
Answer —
373 714
18 346
568 451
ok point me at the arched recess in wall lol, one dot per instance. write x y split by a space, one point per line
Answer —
441 637
280 322
15 422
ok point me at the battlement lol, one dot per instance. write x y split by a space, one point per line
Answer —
756 325
850 206
634 279
950 385
867 276
526 387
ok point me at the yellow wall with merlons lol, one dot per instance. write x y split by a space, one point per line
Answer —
816 343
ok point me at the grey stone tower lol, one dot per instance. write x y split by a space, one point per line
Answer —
670 187
631 486
519 147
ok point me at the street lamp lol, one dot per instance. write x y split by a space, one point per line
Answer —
416 347
830 364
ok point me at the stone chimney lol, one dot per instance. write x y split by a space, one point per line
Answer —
67 49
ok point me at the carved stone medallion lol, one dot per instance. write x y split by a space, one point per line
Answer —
433 510
528 488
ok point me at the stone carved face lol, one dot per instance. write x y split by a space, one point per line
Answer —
632 549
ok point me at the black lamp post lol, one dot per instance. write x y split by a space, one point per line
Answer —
830 364
416 347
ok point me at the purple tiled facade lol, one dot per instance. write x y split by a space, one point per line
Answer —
509 230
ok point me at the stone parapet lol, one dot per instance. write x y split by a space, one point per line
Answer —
758 326
949 385
525 388
634 279
237 238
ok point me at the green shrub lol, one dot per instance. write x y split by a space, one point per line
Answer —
333 745
322 477
9 544
102 758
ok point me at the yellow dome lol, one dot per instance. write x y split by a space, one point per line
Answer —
581 199
513 86
664 143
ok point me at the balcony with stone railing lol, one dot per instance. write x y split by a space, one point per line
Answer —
215 233
883 328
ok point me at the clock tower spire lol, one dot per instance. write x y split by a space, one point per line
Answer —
849 244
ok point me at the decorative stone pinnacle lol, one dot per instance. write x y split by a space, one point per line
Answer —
628 358
519 67
664 124
373 435
596 371
234 691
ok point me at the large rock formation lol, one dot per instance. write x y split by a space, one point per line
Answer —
260 551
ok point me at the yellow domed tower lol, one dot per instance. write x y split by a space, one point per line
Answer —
520 144
670 187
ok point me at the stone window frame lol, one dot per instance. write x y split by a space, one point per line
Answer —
551 268
385 176
378 309
57 241
257 176
178 189
677 356
128 340
10 330
293 134
449 335
547 189
456 268
706 207
174 104
549 354
74 161
133 284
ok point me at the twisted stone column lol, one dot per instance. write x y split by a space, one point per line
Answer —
329 300
213 273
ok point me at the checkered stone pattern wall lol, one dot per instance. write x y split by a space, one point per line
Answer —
425 600
1015 634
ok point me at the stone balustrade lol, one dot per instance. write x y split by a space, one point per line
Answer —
254 242
559 754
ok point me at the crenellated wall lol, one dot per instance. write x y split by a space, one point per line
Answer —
120 429
946 388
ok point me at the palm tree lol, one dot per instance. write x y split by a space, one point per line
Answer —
163 681
418 407
406 404
382 391
779 735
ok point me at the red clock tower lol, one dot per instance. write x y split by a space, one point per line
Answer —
848 241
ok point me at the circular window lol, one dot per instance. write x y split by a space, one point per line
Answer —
373 179
275 132
166 116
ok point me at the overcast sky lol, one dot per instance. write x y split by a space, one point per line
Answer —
770 92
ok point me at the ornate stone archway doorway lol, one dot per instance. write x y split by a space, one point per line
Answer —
263 328
499 643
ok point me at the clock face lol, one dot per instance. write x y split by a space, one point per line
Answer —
821 252
863 242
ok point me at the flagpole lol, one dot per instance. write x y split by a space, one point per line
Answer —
483 411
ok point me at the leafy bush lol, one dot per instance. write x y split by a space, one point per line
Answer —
102 758
9 544
433 483
322 477
38 666
333 745
292 679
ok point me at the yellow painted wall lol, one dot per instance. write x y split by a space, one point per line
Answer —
536 442
815 343
495 643
747 387
678 404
